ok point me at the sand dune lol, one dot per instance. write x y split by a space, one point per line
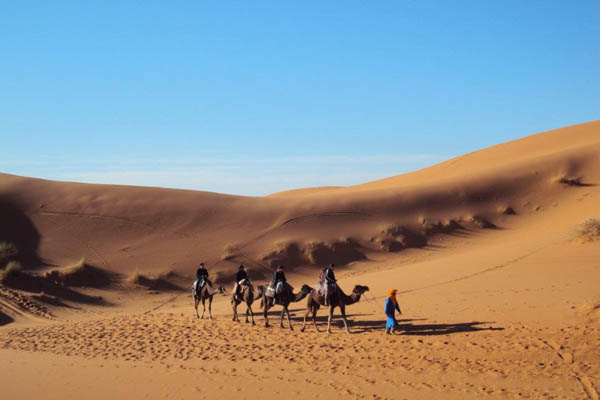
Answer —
500 296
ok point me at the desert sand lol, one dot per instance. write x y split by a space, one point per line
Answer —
498 288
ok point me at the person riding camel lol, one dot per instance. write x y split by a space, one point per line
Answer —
241 278
328 281
201 277
278 276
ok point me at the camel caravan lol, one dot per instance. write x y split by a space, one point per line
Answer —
279 293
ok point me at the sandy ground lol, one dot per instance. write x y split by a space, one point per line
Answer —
508 312
480 331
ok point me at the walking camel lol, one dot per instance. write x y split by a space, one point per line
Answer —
246 296
337 299
205 293
285 299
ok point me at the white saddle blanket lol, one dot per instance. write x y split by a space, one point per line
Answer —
197 287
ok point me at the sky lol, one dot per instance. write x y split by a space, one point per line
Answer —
255 97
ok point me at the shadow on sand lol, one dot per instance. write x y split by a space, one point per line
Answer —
405 326
411 327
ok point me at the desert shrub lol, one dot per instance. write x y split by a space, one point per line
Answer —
390 245
13 269
430 227
288 254
135 277
508 210
481 222
570 181
589 229
393 230
339 252
7 252
158 283
80 274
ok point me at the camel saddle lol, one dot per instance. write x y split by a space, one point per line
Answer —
199 284
278 291
323 288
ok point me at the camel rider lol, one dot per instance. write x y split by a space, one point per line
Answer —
241 278
201 276
278 276
328 281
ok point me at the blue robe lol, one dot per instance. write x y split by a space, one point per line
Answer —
390 311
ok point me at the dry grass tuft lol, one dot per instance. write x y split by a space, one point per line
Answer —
571 181
81 274
8 252
481 222
13 268
135 277
589 230
158 283
508 210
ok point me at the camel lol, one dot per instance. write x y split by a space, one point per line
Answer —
247 296
337 299
207 292
285 300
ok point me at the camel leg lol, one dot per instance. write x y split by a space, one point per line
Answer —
266 314
203 308
210 307
304 322
281 320
247 312
287 310
329 319
196 302
252 315
235 314
314 318
343 310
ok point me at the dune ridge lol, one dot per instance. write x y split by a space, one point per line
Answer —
494 255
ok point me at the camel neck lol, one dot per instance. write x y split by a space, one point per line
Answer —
353 298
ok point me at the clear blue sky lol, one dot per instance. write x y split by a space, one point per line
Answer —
252 97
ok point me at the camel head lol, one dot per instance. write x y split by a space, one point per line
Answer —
306 289
359 289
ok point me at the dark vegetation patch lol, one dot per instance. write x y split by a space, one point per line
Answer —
160 282
390 245
82 274
16 278
481 222
8 252
396 237
407 237
431 227
589 230
288 254
508 210
338 252
572 181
